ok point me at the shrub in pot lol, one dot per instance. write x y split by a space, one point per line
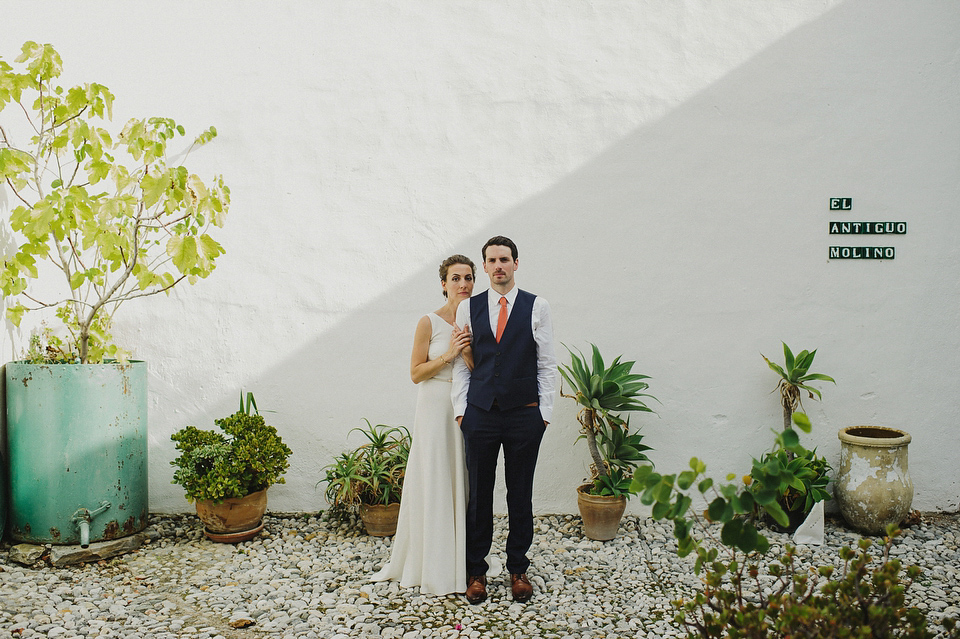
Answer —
368 480
809 471
227 473
604 392
101 216
805 480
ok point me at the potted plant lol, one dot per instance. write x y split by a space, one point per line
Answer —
227 473
808 470
368 480
604 392
803 479
101 217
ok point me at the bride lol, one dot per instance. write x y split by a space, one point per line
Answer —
429 547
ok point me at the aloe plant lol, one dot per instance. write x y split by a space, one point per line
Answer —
604 392
372 473
794 378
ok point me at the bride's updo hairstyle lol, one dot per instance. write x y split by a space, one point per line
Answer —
456 259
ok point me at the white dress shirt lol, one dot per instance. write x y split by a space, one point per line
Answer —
542 335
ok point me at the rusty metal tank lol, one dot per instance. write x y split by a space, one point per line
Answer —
77 444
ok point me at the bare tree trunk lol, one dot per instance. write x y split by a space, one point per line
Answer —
591 433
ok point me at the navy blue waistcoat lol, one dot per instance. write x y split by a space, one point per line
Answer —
504 371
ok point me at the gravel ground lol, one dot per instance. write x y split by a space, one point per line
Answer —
306 577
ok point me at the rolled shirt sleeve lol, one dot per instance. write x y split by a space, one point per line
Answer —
546 356
461 374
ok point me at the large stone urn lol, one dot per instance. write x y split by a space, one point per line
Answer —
873 487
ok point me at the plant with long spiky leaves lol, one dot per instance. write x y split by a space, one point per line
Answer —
373 473
794 377
604 392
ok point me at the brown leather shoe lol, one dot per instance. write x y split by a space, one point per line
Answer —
476 589
520 585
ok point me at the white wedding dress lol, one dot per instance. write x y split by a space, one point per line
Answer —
429 549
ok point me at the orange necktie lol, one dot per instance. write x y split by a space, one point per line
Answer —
502 319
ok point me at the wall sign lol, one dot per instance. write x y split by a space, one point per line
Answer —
868 228
862 252
861 228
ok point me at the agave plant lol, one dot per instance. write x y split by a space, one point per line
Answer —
604 392
794 377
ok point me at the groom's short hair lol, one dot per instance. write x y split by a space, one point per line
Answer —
499 240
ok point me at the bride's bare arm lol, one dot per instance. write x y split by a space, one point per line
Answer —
421 366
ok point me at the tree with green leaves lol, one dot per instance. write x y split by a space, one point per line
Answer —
109 210
794 377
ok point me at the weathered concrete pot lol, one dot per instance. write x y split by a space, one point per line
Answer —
873 487
601 514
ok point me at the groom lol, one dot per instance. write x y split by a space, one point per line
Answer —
505 401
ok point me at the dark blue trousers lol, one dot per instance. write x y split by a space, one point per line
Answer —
518 431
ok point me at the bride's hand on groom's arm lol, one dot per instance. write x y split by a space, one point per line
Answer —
463 340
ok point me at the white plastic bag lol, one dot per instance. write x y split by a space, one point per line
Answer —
811 530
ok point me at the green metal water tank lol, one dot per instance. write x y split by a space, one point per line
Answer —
77 444
3 492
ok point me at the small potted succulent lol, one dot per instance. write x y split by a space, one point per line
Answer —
368 480
604 393
227 473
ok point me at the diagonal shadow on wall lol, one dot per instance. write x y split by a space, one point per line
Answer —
689 245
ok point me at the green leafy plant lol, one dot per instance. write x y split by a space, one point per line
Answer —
46 348
781 599
604 392
808 480
794 377
737 506
247 456
744 597
108 210
370 474
808 471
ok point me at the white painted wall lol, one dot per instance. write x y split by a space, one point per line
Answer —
665 169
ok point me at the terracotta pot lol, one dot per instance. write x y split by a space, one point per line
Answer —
601 515
380 521
233 520
873 487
